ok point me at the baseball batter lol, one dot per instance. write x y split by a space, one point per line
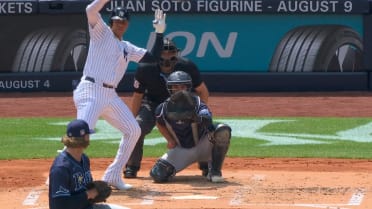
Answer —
186 123
150 90
107 61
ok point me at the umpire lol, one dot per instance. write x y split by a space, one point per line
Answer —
150 90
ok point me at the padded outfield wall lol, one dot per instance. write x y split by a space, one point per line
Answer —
239 45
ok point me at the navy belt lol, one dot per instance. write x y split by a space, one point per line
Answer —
103 84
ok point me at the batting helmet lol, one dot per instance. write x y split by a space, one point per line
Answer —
119 13
178 78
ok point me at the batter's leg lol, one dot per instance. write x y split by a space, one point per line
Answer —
119 116
88 103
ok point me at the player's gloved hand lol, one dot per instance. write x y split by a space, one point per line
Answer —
102 188
159 21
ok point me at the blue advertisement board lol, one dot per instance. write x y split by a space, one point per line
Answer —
231 43
229 37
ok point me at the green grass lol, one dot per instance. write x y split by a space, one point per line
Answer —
25 138
335 150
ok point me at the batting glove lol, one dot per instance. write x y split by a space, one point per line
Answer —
159 21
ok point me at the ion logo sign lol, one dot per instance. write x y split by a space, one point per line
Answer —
223 48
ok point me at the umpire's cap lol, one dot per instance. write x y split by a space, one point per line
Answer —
169 45
120 13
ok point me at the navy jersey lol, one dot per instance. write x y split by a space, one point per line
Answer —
150 81
183 129
67 181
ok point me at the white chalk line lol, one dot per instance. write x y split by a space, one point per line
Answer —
240 193
32 197
148 199
357 197
355 200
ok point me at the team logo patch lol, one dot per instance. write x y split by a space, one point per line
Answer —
125 53
82 132
179 122
62 190
136 84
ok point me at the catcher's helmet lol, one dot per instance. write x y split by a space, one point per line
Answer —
119 13
178 78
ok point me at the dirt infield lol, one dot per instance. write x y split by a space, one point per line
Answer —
250 182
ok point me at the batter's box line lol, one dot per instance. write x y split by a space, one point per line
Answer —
33 196
357 197
355 200
239 194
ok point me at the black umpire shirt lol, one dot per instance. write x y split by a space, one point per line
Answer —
150 81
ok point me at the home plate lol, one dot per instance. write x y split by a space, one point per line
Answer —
195 197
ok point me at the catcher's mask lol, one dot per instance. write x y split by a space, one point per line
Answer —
168 57
181 106
119 13
177 81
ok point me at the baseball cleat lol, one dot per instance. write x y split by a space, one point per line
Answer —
215 178
130 173
120 185
205 172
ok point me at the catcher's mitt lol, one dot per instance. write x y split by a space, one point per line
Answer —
103 190
181 106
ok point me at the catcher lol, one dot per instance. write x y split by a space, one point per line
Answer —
186 124
70 181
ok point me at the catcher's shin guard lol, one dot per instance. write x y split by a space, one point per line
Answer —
204 167
221 135
162 171
221 139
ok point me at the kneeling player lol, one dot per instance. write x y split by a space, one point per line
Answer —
186 124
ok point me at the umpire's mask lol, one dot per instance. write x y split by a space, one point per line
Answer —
168 57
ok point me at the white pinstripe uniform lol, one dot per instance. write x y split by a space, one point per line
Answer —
107 61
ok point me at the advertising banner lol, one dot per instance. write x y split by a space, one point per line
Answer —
220 36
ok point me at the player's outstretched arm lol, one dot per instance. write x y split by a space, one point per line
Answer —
159 21
93 9
160 25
